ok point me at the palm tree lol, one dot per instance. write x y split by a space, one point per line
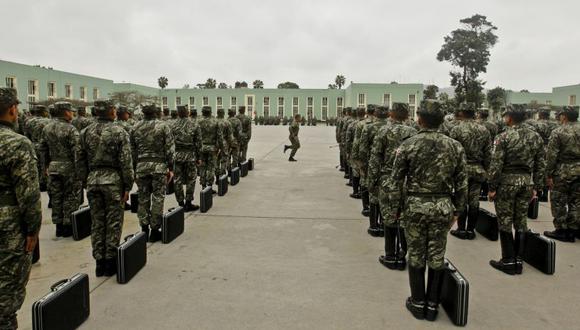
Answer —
340 80
210 83
162 81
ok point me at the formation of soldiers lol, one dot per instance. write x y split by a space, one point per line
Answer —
61 150
416 180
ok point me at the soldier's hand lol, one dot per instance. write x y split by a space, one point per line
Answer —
550 183
125 197
453 221
534 193
491 196
169 176
31 242
199 162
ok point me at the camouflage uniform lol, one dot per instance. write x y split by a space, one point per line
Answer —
20 213
349 136
153 148
59 147
246 135
106 166
360 162
34 129
81 122
293 137
236 124
212 141
224 153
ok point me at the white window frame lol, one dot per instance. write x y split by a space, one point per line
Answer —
177 100
250 105
295 106
83 93
68 89
390 100
164 101
281 107
32 96
54 90
219 102
324 108
234 103
205 101
13 84
362 104
339 106
309 107
412 105
266 106
572 100
96 93
191 102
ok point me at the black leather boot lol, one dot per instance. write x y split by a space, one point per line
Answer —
189 206
389 260
180 203
110 267
346 171
402 245
460 232
155 235
286 147
355 188
373 229
507 263
379 218
520 248
58 230
571 235
67 230
145 229
100 269
416 302
560 235
434 281
365 201
472 216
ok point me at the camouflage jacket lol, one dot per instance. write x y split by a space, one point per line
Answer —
476 142
187 135
294 128
227 132
19 187
563 152
517 158
349 136
491 128
356 143
246 127
343 130
105 157
60 148
236 130
385 143
434 168
35 126
81 123
126 125
367 137
447 126
338 129
544 128
212 135
153 147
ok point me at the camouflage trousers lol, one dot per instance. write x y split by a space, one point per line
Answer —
107 215
222 164
473 193
234 158
14 273
151 199
207 168
64 194
243 150
511 206
42 179
565 204
389 205
185 175
294 145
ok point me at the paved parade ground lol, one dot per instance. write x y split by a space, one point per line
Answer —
288 249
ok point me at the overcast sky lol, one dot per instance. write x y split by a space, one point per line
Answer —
307 42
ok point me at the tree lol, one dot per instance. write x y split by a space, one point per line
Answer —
258 84
133 98
210 83
223 85
162 82
332 86
288 85
468 48
186 86
241 84
496 98
524 91
339 81
430 92
393 82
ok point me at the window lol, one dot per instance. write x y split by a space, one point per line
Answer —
387 100
572 100
250 105
548 102
96 94
32 91
191 102
362 101
266 110
219 102
412 105
205 101
234 103
280 107
51 90
164 101
67 91
83 93
294 106
339 106
177 101
11 82
309 106
324 108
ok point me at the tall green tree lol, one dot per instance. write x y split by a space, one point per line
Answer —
162 82
241 84
468 49
332 86
339 81
258 84
430 92
496 98
288 85
210 83
223 85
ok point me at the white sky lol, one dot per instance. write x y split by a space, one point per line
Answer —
307 42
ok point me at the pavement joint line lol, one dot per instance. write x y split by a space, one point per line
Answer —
268 217
271 151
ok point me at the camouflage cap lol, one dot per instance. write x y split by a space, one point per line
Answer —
122 109
467 107
148 108
103 106
382 111
231 111
64 106
516 109
545 110
371 108
221 111
568 110
400 108
432 107
206 109
182 108
38 108
8 97
241 108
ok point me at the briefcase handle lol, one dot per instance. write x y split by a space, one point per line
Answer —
128 237
55 286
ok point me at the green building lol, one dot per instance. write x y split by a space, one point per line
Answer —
560 96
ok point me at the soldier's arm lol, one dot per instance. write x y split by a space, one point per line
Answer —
221 137
44 151
133 147
496 164
486 151
400 171
169 148
25 182
197 143
126 159
552 152
83 164
539 172
249 128
460 182
75 146
376 156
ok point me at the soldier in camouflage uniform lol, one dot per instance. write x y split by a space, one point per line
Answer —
236 124
153 149
432 166
349 137
123 117
187 136
516 173
476 142
338 134
359 160
246 132
212 142
59 147
81 121
482 119
224 154
20 212
106 166
34 128
563 172
294 140
385 143
342 145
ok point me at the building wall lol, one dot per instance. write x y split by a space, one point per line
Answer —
566 95
527 98
128 87
360 94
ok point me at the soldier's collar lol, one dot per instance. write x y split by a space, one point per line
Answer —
7 124
425 129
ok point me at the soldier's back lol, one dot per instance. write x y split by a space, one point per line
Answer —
150 140
474 138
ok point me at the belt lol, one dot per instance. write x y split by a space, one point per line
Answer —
152 159
8 199
424 194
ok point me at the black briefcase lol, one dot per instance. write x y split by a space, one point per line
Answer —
81 223
66 307
533 208
487 225
206 199
455 295
134 202
222 185
540 252
251 164
244 168
131 256
36 252
235 176
172 225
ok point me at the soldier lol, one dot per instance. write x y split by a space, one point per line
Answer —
34 129
350 137
123 117
516 173
224 154
294 140
212 141
385 143
476 142
246 132
563 172
106 167
59 147
482 119
342 136
173 114
21 213
194 115
360 160
338 135
187 150
153 149
237 134
131 114
432 166
81 121
165 115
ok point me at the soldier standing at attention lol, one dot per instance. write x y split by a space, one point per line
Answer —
476 142
482 119
187 136
154 151
360 161
224 154
342 136
432 166
212 142
123 119
338 135
295 142
106 167
34 129
358 115
246 132
59 146
563 172
516 173
20 212
81 121
236 124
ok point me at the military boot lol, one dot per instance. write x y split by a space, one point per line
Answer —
379 218
416 302
373 229
460 232
67 230
507 263
110 267
346 171
355 188
389 260
181 203
520 248
189 206
100 269
577 233
127 206
571 235
58 230
286 147
155 235
402 249
472 216
434 281
560 235
365 202
145 229
291 159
